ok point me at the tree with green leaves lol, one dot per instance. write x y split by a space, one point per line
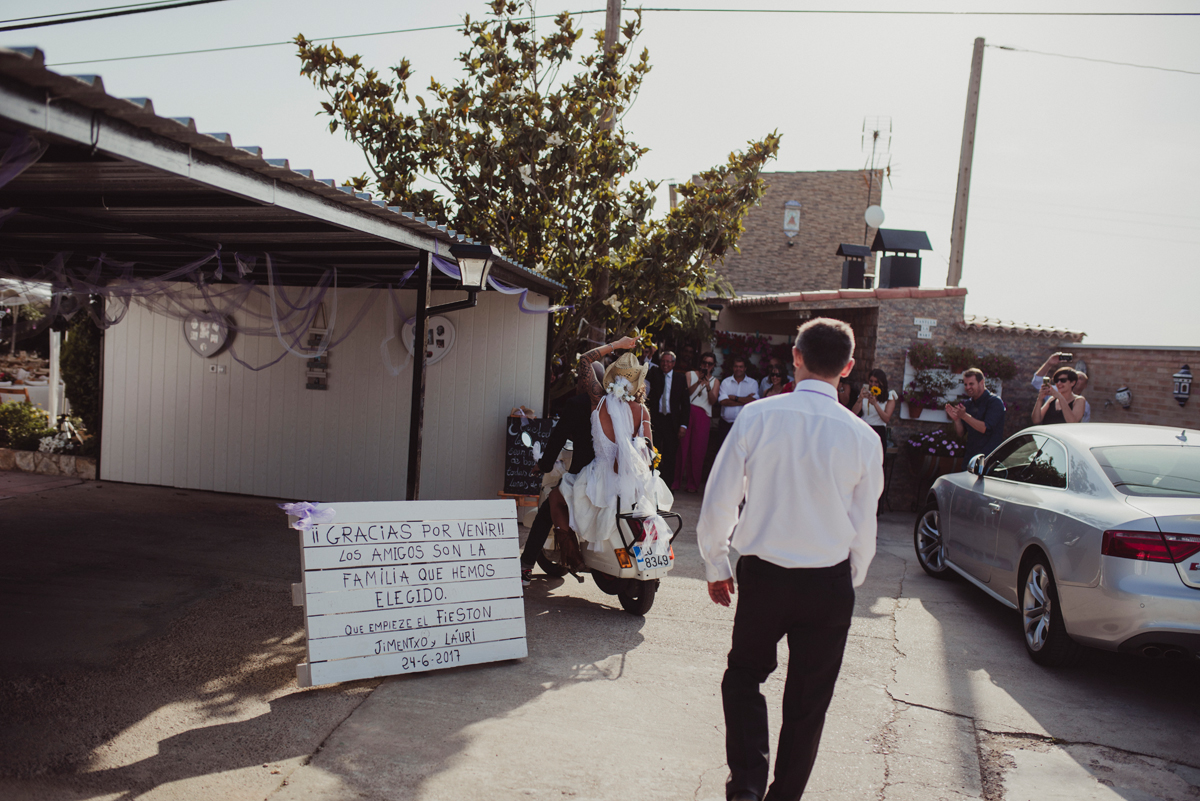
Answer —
526 151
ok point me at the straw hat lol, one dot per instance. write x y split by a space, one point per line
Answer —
628 368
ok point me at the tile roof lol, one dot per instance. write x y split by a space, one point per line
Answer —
976 322
750 301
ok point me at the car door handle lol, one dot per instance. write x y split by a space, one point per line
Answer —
995 507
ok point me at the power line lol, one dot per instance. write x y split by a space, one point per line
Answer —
85 11
166 7
1096 60
291 42
936 13
673 10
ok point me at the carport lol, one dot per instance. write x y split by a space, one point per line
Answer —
101 196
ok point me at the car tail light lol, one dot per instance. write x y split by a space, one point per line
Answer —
1182 546
1150 547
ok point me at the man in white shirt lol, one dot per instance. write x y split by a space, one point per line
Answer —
811 474
736 391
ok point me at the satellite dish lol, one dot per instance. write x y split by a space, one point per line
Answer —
874 216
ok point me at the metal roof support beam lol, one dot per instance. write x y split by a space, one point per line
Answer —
416 423
93 129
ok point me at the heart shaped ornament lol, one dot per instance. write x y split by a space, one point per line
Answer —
206 335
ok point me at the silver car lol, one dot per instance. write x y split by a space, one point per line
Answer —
1091 531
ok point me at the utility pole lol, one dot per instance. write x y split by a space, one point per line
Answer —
612 29
958 231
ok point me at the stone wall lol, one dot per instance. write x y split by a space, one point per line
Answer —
831 213
48 464
1147 372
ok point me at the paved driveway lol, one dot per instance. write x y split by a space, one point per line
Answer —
148 645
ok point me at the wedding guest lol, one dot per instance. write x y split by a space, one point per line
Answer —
843 392
876 404
980 419
669 411
1057 359
693 445
1057 401
736 391
773 363
776 383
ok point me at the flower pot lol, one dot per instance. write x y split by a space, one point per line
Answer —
929 467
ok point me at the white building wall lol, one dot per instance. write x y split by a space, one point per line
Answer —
169 421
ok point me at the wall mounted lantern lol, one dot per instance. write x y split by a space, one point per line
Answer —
474 263
1183 384
1124 397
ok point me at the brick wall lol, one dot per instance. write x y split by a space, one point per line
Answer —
897 333
831 213
1147 372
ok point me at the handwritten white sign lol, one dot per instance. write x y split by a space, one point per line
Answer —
406 586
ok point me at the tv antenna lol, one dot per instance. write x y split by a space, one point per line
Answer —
878 131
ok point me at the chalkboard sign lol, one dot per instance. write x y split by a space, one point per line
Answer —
407 586
519 478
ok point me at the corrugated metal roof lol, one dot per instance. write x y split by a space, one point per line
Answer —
25 67
975 322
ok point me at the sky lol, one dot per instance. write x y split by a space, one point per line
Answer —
1083 213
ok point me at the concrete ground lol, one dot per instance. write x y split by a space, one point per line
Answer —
148 646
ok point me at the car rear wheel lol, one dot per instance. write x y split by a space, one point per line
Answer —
1046 638
928 543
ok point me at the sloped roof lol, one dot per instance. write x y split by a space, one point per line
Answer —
975 322
900 240
751 301
119 179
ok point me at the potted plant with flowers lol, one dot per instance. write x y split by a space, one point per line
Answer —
933 454
926 391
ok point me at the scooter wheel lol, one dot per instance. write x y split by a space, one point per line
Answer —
638 596
610 585
551 569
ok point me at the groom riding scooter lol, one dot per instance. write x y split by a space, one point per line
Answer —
574 424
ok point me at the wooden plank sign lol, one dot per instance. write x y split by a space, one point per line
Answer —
519 478
406 586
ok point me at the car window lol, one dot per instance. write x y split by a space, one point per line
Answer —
1031 459
1048 467
1152 470
1011 456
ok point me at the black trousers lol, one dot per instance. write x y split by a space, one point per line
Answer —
538 531
666 439
812 607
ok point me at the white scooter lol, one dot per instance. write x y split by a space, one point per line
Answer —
631 572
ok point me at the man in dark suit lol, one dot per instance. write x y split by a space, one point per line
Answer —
575 424
669 412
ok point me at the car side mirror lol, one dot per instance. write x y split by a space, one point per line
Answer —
977 464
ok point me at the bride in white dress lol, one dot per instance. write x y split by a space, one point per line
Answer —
622 438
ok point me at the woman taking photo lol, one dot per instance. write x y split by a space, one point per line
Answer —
1057 401
693 445
876 404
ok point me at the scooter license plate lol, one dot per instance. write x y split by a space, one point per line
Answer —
654 561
